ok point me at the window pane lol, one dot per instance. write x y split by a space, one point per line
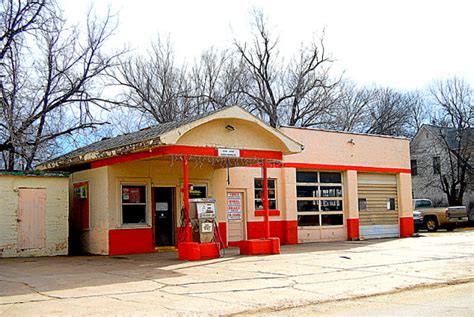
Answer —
331 191
259 204
307 177
331 220
134 214
307 191
414 168
436 165
272 204
391 204
134 194
271 194
423 204
259 184
258 194
331 205
271 183
329 177
308 220
308 205
362 204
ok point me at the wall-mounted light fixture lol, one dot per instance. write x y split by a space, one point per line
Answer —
351 141
229 127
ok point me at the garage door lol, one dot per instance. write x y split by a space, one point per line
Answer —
378 205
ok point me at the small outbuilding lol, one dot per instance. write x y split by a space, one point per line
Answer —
34 213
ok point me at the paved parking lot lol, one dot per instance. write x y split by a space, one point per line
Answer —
159 284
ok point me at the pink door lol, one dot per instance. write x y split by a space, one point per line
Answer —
31 218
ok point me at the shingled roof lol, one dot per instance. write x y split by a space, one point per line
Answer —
159 135
450 135
150 134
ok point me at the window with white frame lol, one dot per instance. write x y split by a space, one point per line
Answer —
134 204
319 198
258 188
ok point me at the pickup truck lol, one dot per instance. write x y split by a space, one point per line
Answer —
440 217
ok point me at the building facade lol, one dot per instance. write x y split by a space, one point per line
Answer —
433 156
34 214
321 185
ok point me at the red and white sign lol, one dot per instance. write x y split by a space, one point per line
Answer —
234 206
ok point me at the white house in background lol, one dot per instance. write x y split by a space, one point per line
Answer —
430 152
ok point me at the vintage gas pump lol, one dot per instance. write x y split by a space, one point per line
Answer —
203 215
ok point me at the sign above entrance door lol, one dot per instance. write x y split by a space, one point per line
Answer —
228 152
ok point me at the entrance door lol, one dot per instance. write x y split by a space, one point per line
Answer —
235 216
164 216
31 218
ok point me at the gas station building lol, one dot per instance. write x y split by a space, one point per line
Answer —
139 192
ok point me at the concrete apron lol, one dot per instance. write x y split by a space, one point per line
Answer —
160 284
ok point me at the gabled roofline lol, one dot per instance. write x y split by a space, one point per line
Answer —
167 137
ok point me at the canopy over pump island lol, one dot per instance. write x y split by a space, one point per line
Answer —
227 178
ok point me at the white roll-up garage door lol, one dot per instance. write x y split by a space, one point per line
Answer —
378 205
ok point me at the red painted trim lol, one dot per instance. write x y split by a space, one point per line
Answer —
187 224
129 241
273 155
266 214
286 230
223 232
193 251
407 227
260 246
182 150
329 167
352 229
272 213
347 167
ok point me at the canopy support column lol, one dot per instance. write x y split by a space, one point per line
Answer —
187 225
266 213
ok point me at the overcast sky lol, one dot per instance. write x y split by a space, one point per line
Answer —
401 44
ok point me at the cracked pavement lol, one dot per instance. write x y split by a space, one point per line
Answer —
159 284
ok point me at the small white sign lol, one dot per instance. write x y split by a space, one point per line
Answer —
162 206
228 152
206 227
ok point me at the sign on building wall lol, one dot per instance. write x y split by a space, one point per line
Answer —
234 206
228 152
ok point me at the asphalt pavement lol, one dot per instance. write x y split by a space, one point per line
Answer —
306 274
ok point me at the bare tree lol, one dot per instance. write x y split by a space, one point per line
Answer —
51 86
295 93
154 85
216 80
456 131
351 107
18 17
389 112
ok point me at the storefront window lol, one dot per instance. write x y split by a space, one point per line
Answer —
134 204
319 198
258 187
308 220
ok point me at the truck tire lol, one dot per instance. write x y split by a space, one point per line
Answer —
450 227
431 224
